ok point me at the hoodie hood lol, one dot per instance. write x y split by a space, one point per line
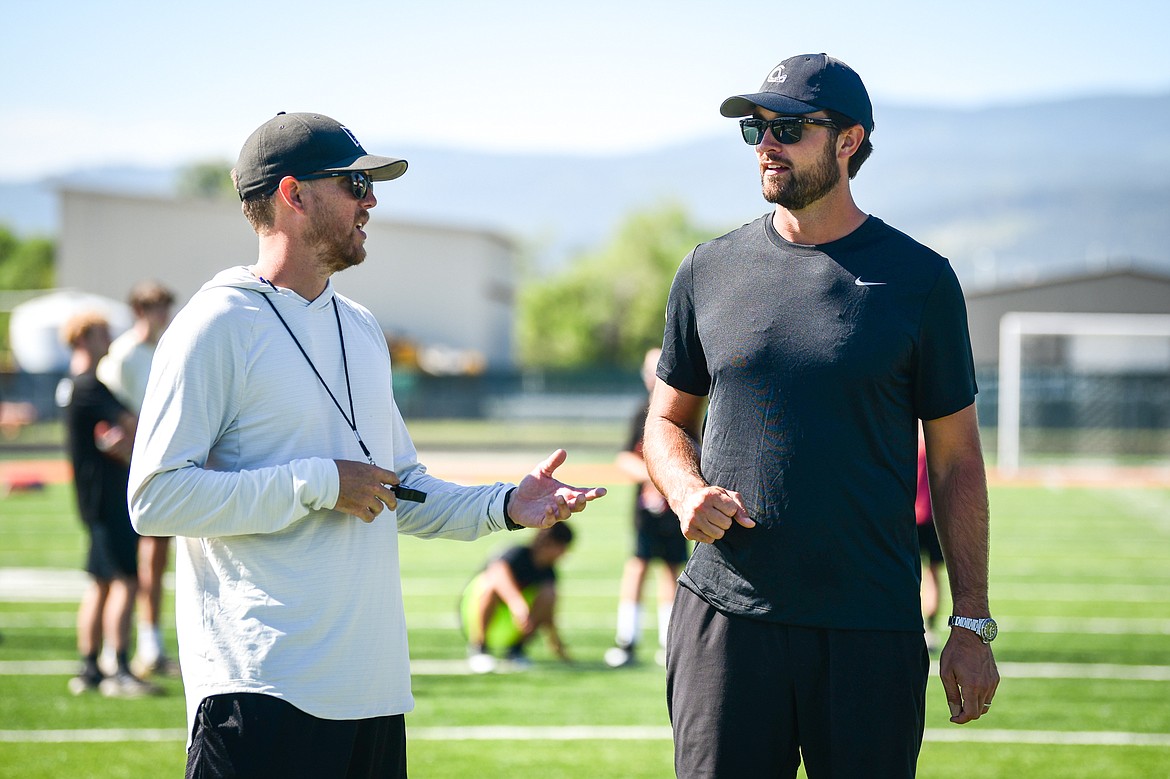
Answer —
241 277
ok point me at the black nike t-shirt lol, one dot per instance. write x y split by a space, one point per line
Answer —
818 360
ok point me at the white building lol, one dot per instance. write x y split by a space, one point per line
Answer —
442 287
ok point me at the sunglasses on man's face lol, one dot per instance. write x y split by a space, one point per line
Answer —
360 183
785 129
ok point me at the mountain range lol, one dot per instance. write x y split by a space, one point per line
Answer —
1008 193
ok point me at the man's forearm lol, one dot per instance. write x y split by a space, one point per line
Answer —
961 516
672 459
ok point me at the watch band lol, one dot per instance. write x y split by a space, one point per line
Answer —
986 627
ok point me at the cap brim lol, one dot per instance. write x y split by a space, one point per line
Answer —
379 168
745 105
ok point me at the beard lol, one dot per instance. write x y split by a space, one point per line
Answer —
336 246
802 188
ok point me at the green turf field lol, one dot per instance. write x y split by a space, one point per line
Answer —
1080 586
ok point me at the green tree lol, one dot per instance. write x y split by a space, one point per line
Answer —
26 264
209 179
608 307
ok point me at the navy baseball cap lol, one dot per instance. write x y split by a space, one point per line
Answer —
300 144
805 84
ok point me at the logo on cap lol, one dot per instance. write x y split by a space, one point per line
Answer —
777 76
352 137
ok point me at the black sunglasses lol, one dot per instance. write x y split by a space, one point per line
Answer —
360 182
785 129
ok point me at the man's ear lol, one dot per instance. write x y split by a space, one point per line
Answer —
849 140
289 192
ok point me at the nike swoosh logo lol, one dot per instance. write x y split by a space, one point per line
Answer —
861 283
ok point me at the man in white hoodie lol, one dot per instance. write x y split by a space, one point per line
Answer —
271 446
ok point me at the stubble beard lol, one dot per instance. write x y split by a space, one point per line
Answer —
803 188
336 249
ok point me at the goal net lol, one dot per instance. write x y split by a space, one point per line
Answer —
1083 388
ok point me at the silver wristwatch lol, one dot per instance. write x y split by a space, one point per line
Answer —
985 628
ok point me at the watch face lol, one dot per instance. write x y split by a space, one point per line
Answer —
988 631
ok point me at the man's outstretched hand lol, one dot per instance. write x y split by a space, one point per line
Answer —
541 500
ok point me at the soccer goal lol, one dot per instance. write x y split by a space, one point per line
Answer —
1083 386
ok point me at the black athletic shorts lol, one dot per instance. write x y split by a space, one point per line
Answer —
928 544
254 735
113 552
751 698
659 537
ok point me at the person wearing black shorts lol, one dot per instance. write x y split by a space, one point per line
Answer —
819 337
100 432
656 537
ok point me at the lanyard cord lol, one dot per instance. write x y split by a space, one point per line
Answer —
351 419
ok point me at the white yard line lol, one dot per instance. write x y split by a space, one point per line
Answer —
606 733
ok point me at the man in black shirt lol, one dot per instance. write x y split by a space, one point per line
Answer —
821 336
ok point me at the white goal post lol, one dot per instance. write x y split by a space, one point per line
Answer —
1015 326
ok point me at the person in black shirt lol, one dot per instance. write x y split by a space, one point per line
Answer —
656 537
100 433
519 586
820 336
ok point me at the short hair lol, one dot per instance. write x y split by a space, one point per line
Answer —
863 151
559 533
150 294
259 211
77 327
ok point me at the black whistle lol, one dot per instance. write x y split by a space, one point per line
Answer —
406 493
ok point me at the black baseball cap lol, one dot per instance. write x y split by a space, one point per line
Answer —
299 144
805 84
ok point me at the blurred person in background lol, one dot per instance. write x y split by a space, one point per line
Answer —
125 371
656 537
100 434
512 598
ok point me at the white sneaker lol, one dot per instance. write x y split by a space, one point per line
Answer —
618 657
124 684
481 663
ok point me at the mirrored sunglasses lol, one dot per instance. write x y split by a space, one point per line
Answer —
360 182
785 129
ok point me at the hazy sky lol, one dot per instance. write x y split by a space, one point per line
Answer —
128 81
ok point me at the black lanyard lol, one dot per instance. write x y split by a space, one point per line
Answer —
351 418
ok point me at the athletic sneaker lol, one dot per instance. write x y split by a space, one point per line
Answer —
124 684
517 660
160 666
84 682
619 656
481 663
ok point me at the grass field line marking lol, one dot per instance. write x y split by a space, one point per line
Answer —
604 733
1087 592
92 735
1097 625
1142 673
1049 737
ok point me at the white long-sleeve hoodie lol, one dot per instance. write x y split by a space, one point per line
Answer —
275 592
